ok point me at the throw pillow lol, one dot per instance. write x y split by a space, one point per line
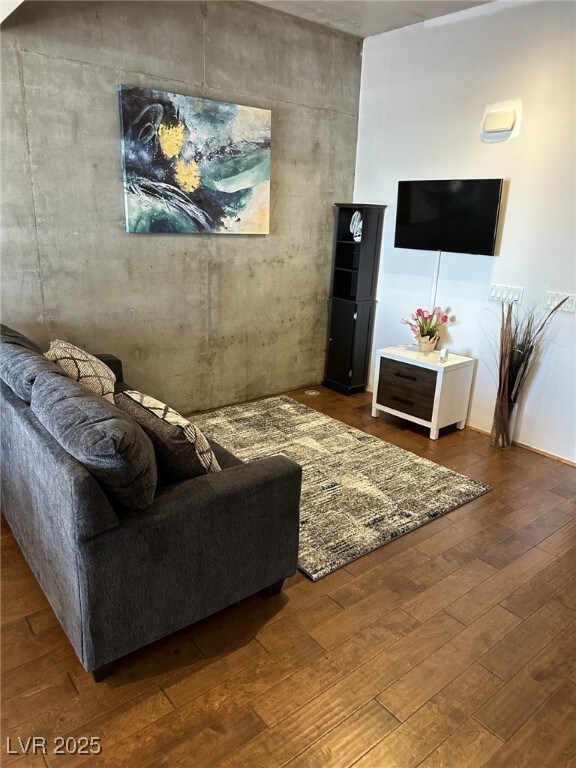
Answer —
97 434
182 451
83 367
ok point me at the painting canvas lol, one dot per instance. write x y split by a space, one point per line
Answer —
194 165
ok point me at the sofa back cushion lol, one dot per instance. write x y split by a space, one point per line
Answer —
98 435
19 367
10 336
41 482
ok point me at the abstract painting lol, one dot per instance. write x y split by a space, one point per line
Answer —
194 165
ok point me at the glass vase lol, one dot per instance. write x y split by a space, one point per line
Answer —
503 424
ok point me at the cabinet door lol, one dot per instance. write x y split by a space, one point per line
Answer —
361 346
340 341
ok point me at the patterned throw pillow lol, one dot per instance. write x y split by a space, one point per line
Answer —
182 450
83 367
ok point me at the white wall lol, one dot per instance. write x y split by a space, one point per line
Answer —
423 95
6 8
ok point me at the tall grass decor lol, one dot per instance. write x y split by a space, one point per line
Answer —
522 334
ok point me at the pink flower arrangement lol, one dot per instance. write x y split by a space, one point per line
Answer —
424 323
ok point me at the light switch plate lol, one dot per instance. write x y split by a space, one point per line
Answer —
554 297
506 293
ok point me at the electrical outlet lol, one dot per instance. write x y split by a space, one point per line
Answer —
555 297
506 293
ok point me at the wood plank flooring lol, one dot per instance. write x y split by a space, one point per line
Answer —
451 647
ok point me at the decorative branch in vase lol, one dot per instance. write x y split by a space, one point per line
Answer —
425 326
521 340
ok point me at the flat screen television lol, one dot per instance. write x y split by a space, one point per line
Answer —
460 215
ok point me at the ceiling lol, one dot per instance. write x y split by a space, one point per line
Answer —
369 17
357 17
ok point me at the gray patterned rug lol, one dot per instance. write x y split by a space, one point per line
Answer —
358 492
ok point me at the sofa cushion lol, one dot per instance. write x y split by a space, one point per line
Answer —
182 451
10 336
98 435
19 367
83 367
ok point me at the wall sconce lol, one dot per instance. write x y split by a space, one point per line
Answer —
501 122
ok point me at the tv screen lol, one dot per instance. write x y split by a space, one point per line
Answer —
460 215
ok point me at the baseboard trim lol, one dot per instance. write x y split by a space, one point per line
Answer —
529 448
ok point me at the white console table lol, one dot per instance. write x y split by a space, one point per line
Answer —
420 388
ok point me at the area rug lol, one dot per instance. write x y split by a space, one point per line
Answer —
358 492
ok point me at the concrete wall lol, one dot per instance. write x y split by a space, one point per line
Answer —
199 320
423 96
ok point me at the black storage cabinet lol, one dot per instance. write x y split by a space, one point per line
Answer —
352 303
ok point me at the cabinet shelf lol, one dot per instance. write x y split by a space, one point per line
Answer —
347 258
345 284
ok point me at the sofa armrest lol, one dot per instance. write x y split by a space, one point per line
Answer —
263 493
201 546
264 480
114 363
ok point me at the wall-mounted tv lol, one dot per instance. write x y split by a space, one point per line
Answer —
460 215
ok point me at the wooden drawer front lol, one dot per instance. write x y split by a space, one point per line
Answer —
407 388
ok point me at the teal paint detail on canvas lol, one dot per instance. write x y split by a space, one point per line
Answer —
236 173
194 165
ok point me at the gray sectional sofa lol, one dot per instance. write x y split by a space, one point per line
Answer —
119 578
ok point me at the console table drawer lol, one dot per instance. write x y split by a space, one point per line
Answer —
406 388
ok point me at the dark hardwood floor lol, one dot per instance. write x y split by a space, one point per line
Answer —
453 646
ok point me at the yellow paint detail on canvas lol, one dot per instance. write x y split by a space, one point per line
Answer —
171 138
187 175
